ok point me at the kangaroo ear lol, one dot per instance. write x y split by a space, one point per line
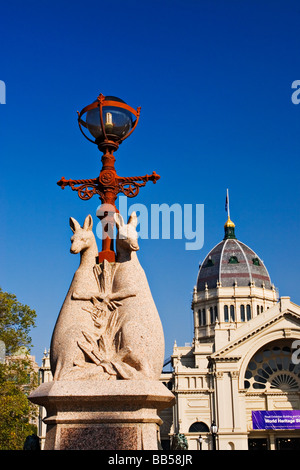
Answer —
74 224
118 219
88 223
133 220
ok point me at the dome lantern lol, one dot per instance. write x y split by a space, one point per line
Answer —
229 229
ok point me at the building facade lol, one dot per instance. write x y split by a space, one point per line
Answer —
241 373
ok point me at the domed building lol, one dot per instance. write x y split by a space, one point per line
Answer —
237 386
233 286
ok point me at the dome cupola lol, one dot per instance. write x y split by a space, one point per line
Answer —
233 287
232 263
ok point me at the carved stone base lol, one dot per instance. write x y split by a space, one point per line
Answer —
102 415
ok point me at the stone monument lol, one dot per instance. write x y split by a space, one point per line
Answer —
107 352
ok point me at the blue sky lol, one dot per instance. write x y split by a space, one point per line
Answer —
213 79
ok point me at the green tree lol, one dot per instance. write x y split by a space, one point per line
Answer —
17 377
16 320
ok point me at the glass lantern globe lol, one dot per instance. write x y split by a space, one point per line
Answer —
214 428
117 121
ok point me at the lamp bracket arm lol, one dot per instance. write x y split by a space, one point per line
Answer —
131 185
85 188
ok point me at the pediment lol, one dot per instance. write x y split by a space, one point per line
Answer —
276 322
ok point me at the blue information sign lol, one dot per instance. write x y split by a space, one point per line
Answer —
281 419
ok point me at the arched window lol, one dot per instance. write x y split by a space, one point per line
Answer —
203 317
248 312
216 312
272 368
199 427
211 312
209 263
242 310
226 317
199 318
232 316
257 309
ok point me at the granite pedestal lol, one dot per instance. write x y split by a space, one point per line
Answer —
102 414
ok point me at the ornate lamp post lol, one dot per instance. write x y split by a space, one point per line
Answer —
109 121
214 431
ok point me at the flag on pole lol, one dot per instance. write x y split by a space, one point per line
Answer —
226 202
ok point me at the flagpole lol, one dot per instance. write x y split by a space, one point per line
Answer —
228 209
229 225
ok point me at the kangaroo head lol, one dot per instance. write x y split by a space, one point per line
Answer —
127 238
83 237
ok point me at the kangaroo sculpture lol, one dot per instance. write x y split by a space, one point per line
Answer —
108 326
141 329
73 318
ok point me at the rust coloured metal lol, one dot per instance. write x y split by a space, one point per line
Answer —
108 184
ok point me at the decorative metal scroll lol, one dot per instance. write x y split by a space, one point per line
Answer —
129 186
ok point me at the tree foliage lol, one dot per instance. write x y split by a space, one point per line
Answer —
16 320
17 376
16 412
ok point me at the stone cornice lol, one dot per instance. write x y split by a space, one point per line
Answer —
249 394
197 391
225 359
221 293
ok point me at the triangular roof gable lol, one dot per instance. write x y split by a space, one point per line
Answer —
261 325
